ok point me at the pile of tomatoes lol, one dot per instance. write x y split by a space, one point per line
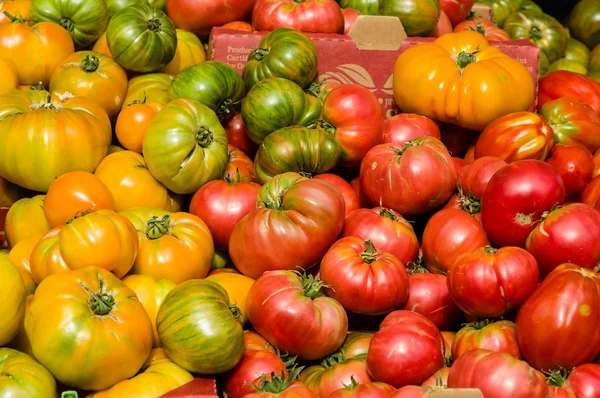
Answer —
169 218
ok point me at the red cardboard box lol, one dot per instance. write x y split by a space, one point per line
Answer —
197 388
366 56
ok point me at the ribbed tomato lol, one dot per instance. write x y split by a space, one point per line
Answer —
487 28
23 376
400 129
474 177
316 16
13 300
575 164
351 199
25 219
564 83
485 335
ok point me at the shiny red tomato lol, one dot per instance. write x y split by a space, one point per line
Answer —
240 163
364 201
366 390
400 129
351 199
559 324
237 135
316 16
591 193
489 282
575 164
457 139
515 199
350 15
387 229
411 392
493 336
474 177
239 380
448 235
568 234
584 381
564 83
443 26
406 350
459 163
596 163
457 10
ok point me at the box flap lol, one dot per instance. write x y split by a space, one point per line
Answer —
483 11
377 33
455 393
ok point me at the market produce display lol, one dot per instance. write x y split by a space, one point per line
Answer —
183 216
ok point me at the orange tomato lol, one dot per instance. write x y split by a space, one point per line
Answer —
101 45
100 238
26 219
190 51
237 286
93 75
173 246
133 122
74 192
131 184
239 25
9 193
114 148
148 88
20 255
16 8
21 342
10 75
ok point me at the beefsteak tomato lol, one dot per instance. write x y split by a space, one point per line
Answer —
189 52
575 164
584 381
400 129
419 17
148 88
351 199
25 219
503 9
315 16
564 83
497 336
584 22
487 28
13 303
23 376
473 179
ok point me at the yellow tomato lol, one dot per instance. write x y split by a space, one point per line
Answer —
237 286
10 75
26 219
20 255
21 342
148 88
101 45
190 51
157 355
9 193
12 300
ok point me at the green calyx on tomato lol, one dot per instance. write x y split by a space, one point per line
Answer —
480 323
311 286
13 18
204 136
387 213
154 24
157 227
334 359
369 255
557 377
101 302
353 383
288 360
233 181
468 203
81 213
259 53
90 63
464 59
478 28
535 33
277 383
490 250
237 313
416 267
67 24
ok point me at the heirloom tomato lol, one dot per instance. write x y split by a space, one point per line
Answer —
400 129
101 46
489 282
16 8
285 53
298 319
315 16
516 136
515 199
362 278
497 375
575 164
214 84
590 195
23 376
364 390
148 88
364 201
322 90
221 204
133 122
73 193
92 75
141 38
63 136
366 7
100 238
487 28
485 335
173 246
350 15
151 294
448 235
238 25
594 65
237 135
351 199
199 328
25 219
577 51
20 255
457 77
10 75
10 193
502 9
185 146
439 378
189 52
443 26
239 163
584 22
568 234
457 10
115 6
281 386
418 17
13 300
563 83
474 177
567 64
237 287
409 179
584 381
303 216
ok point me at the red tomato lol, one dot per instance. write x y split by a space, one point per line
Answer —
221 204
350 15
411 179
351 199
489 282
407 349
237 136
387 229
457 139
596 163
584 381
457 10
199 16
564 83
364 201
515 199
448 235
464 203
470 155
495 336
239 380
255 342
239 25
559 324
443 26
474 177
568 234
240 163
411 392
459 163
497 375
439 378
362 278
559 392
575 164
316 16
404 127
281 386
591 193
298 318
366 390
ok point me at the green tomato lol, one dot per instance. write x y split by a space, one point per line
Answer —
584 22
567 64
365 7
419 17
577 51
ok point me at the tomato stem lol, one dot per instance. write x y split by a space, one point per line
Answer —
464 59
369 255
67 24
478 28
234 180
226 108
535 33
312 286
288 360
353 383
468 203
258 54
490 250
204 136
334 359
157 227
237 313
100 302
387 213
37 87
276 384
154 24
81 213
328 127
13 18
90 63
480 324
557 377
314 89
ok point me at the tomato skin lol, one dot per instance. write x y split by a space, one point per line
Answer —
364 201
239 380
237 135
563 312
575 164
444 26
17 8
24 376
495 336
564 83
237 286
351 199
148 88
239 162
434 380
350 15
316 16
487 28
590 195
308 326
400 129
20 255
474 177
25 219
10 75
101 45
364 390
189 52
584 381
583 23
448 235
515 199
13 300
133 122
559 392
489 282
457 11
418 17
457 139
239 25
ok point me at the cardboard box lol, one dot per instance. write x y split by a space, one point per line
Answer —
483 11
366 56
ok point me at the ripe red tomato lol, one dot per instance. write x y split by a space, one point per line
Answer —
406 350
443 26
493 336
362 278
596 164
457 139
559 324
489 282
400 129
459 163
575 164
387 229
364 201
199 16
411 392
316 16
591 193
411 179
351 199
584 381
457 10
240 163
448 235
350 15
515 199
237 136
239 380
568 234
366 390
562 83
474 177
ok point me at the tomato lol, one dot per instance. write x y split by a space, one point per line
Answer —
10 75
133 122
474 177
13 300
101 46
185 146
173 246
237 135
567 64
73 193
148 88
239 25
409 339
304 216
189 52
285 53
366 7
418 17
315 16
115 6
10 193
25 219
503 9
100 238
141 38
493 336
516 136
221 204
497 375
93 75
237 287
564 83
583 22
590 195
515 199
575 164
411 179
17 8
350 15
448 235
365 390
400 129
274 103
281 386
584 381
20 255
459 163
594 65
240 163
364 201
23 376
298 319
351 199
457 10
239 381
443 26
487 28
461 62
